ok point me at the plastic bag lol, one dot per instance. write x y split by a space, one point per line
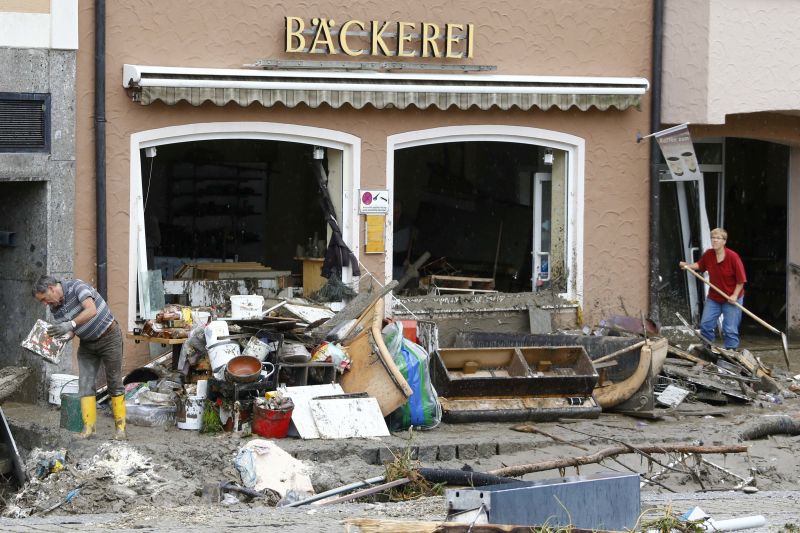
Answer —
151 415
422 410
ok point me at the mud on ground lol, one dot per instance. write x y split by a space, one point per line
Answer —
160 472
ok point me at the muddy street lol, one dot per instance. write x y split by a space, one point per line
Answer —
155 481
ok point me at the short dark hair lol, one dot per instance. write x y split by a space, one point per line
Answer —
43 283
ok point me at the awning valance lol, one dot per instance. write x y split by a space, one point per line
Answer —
196 86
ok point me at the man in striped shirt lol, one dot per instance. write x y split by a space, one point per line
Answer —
78 309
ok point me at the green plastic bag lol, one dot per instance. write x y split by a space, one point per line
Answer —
422 410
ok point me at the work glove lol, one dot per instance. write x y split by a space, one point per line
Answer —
62 328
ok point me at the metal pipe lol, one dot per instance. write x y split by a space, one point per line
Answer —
655 185
338 490
100 145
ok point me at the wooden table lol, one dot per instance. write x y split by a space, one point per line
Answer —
312 274
175 343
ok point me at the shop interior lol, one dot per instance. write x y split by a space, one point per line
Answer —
482 210
231 200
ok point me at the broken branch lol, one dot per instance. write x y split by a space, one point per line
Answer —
520 470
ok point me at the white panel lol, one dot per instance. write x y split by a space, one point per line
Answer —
348 418
25 30
64 28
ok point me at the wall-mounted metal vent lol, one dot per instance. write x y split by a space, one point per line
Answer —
24 122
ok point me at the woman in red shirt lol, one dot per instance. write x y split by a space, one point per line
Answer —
726 271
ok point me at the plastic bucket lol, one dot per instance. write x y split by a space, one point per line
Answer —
215 329
271 423
219 354
190 412
71 418
244 306
66 383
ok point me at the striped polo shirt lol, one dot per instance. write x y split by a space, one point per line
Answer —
75 292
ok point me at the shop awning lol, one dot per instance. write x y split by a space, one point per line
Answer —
171 85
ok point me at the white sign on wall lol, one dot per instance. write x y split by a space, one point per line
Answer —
373 202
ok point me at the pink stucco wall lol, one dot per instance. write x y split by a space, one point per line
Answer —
603 38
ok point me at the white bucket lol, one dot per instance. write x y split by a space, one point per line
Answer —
214 330
190 414
244 306
61 383
219 354
256 348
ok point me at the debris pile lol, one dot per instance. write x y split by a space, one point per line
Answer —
117 478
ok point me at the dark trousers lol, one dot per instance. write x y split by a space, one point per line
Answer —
106 350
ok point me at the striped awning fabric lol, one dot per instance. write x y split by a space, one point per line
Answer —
147 85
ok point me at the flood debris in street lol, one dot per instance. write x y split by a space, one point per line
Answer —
116 478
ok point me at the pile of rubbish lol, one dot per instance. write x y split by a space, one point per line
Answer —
240 373
114 479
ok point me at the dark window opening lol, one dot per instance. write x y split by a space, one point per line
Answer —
488 210
230 200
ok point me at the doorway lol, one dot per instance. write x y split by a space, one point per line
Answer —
743 188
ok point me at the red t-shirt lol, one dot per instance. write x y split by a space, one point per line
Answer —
725 274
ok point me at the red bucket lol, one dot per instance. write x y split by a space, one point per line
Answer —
271 423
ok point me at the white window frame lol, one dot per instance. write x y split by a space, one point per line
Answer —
576 155
349 145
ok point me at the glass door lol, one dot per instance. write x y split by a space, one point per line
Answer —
685 234
542 223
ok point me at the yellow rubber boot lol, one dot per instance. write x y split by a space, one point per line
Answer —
118 410
89 415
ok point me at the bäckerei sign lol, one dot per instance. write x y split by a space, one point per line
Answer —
374 38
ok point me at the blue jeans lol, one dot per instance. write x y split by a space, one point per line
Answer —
731 318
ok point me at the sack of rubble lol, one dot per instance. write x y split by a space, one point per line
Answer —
422 410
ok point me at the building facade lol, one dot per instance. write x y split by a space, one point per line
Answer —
462 149
500 140
38 54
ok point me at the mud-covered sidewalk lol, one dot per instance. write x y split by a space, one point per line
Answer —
156 478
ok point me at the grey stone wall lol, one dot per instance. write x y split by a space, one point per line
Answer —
37 192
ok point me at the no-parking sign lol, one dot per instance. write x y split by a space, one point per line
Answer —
373 202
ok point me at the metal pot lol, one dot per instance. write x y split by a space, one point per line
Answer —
243 369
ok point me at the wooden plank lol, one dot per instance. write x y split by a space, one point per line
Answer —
375 525
157 340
